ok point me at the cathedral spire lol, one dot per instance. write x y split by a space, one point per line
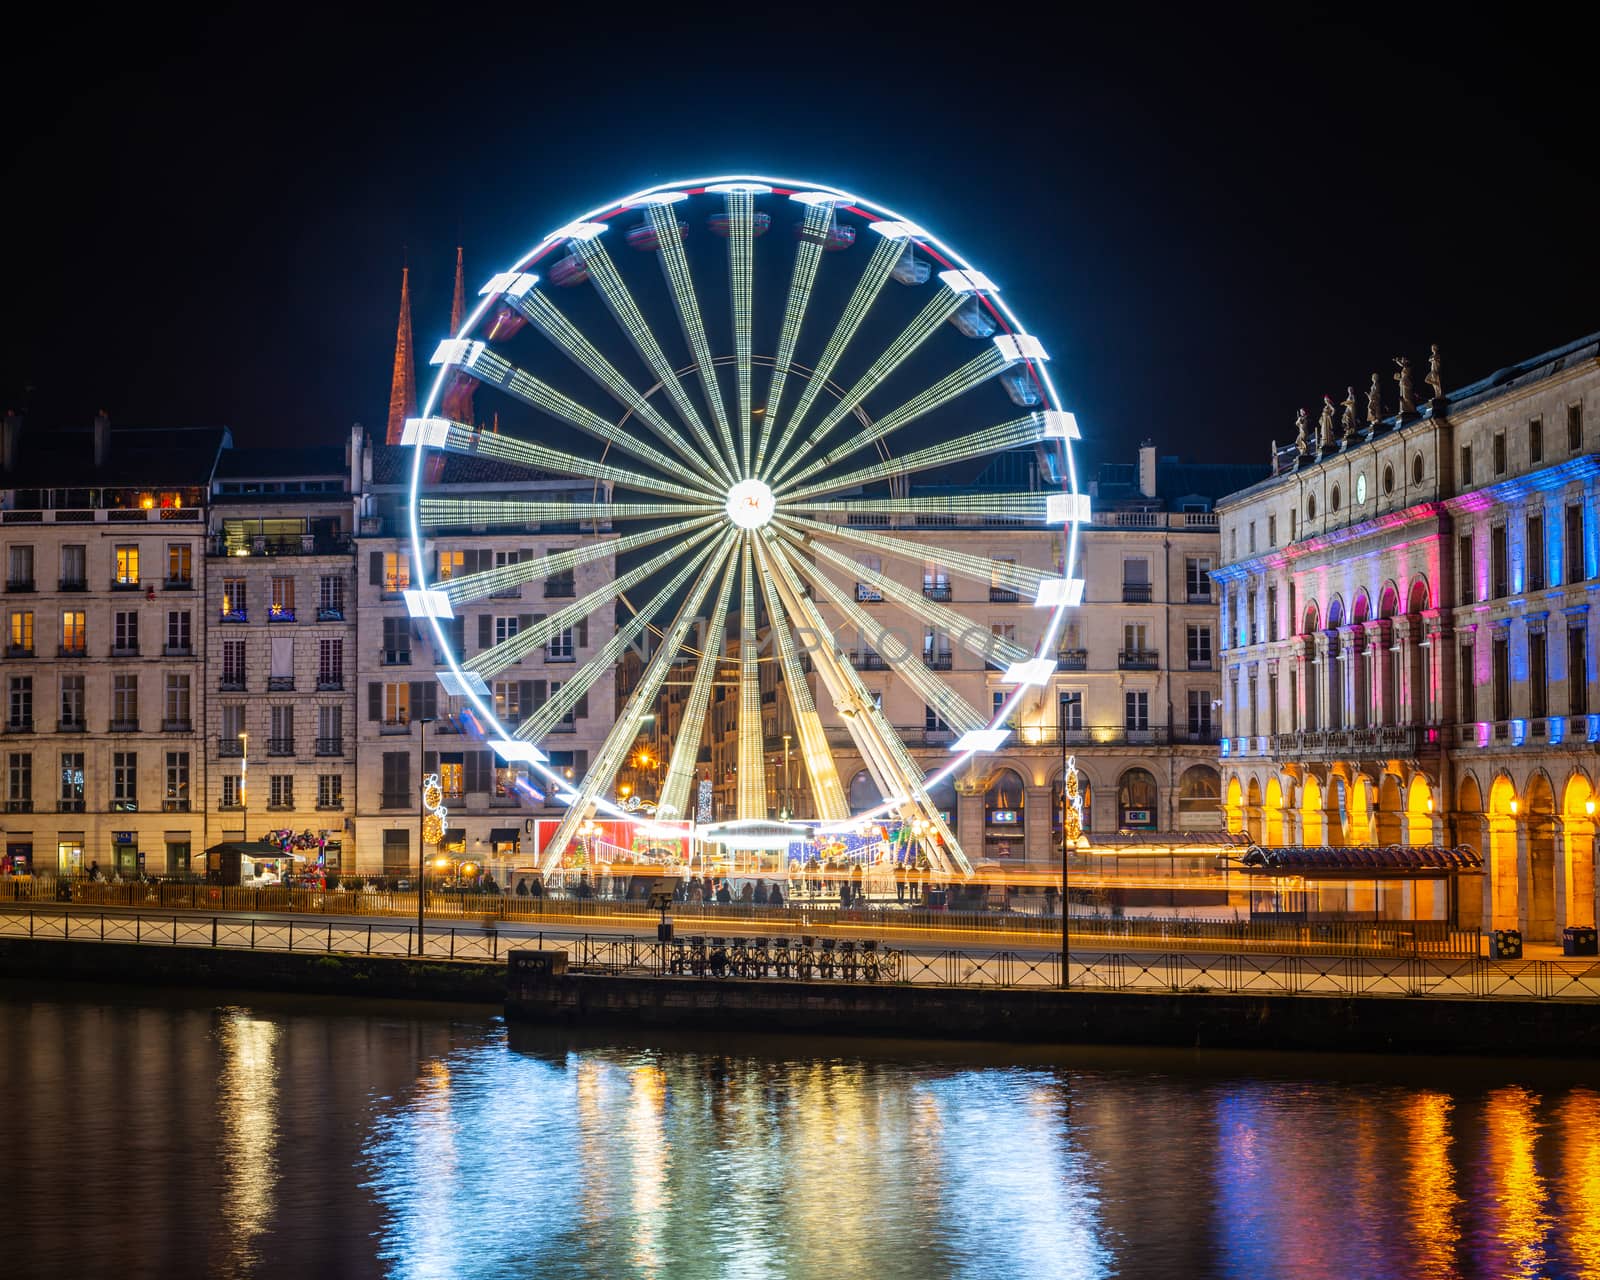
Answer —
458 303
403 384
457 402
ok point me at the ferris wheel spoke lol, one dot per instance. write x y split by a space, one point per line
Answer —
980 569
493 370
976 444
675 264
1023 508
619 740
457 437
750 797
975 637
890 764
807 257
879 268
940 308
674 799
436 513
576 686
498 657
603 271
936 692
549 320
826 790
509 577
741 285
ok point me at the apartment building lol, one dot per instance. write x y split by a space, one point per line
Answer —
1409 652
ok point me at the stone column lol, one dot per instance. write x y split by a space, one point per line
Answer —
1575 872
1524 878
1358 698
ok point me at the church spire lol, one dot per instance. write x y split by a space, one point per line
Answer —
457 402
458 303
403 384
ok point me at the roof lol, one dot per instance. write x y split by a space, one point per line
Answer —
319 460
1132 841
1176 480
1363 862
139 457
391 464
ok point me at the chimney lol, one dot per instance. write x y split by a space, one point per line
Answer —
1147 469
12 438
102 439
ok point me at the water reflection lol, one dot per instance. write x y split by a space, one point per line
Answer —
1579 1118
1521 1219
1433 1201
247 1098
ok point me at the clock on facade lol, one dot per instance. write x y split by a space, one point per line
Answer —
1361 489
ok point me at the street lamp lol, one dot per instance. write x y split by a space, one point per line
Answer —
244 773
422 818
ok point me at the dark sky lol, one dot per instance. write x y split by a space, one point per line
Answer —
1210 222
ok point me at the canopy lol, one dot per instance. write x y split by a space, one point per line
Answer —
1360 862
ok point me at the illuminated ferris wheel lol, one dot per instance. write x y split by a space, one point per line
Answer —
760 378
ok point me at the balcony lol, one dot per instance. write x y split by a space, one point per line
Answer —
1201 597
229 747
394 584
280 613
937 661
70 805
231 684
556 656
177 584
327 682
330 806
19 651
329 613
184 725
19 806
125 584
72 584
175 804
1100 735
1385 742
73 651
124 651
1199 663
17 725
241 614
1136 593
396 657
76 724
280 684
1002 595
280 746
1138 659
302 544
19 584
393 728
330 746
938 591
282 804
1074 660
871 662
124 726
554 589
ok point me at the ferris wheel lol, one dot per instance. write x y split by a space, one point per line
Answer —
760 379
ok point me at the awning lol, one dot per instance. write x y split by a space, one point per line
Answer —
1360 862
504 835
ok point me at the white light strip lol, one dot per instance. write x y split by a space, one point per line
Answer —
822 197
1060 591
500 283
428 604
984 740
1068 508
1020 346
736 188
741 244
1034 672
1060 425
514 752
965 282
659 198
581 231
455 351
807 257
431 433
896 230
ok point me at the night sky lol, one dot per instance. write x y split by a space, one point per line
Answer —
1209 224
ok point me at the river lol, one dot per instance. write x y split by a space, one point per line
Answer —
168 1134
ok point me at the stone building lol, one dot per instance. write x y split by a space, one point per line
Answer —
1408 652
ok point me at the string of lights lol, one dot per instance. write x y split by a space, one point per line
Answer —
807 257
488 444
675 265
674 799
876 275
741 274
981 569
437 513
751 792
1022 508
975 444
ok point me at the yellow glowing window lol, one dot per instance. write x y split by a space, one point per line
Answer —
396 571
452 780
22 629
74 630
128 566
452 564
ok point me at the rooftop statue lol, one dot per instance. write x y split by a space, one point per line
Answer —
1374 403
1408 397
1435 378
1302 423
1347 419
1325 424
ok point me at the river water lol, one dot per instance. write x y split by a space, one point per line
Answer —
163 1134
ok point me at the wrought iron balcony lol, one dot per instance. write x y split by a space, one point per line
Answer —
1139 659
939 591
72 584
1136 593
19 584
280 746
1074 659
330 746
229 747
1002 595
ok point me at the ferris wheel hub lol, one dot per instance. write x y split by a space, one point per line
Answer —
750 504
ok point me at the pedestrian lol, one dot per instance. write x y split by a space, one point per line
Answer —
94 870
858 885
900 883
775 898
844 895
696 893
759 898
747 894
724 897
1049 899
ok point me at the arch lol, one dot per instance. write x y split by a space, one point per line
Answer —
1539 826
1469 795
1252 810
1234 807
1419 811
1004 815
864 793
1418 598
1361 810
1362 609
1313 820
1501 910
1138 801
1389 600
1308 624
943 796
1200 797
1335 613
1576 792
1539 796
1579 806
1272 824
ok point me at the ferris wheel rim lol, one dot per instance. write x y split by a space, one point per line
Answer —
668 192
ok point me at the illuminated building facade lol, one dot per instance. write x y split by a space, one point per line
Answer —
1409 657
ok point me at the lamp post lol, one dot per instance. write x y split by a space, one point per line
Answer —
1066 915
244 792
786 777
422 819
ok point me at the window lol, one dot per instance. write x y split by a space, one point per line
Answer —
1572 550
1533 549
127 566
396 642
21 642
330 664
866 592
396 571
71 704
125 781
1499 453
425 699
19 568
124 703
559 584
71 782
1502 678
330 598
1272 701
282 607
396 782
1333 499
397 704
1538 679
1272 612
1200 715
397 852
230 791
1072 710
1311 506
512 591
1467 685
935 581
452 776
1136 710
1577 671
1252 537
1466 465
1464 570
1272 529
1197 579
505 627
74 568
1136 580
19 782
559 648
508 700
1199 648
233 664
451 564
1417 469
180 567
1233 543
180 636
280 793
1252 621
330 730
176 719
280 735
235 600
176 797
125 633
1000 579
330 791
1574 427
1388 474
1535 441
233 727
1133 637
1498 576
936 649
20 703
